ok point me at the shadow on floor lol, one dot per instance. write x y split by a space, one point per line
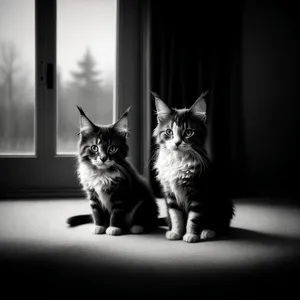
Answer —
52 273
248 236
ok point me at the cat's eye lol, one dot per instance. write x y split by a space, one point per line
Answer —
94 148
113 149
169 132
188 133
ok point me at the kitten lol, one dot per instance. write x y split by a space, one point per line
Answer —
182 168
120 198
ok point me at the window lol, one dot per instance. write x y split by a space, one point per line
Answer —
17 77
61 56
86 64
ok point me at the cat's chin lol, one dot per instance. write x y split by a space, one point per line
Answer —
177 152
101 166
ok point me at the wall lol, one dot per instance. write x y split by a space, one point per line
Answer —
271 96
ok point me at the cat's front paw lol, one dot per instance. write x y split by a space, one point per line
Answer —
207 234
113 230
136 229
96 229
191 238
173 236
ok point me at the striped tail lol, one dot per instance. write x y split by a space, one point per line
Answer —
86 219
162 221
79 220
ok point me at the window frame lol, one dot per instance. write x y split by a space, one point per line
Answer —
48 175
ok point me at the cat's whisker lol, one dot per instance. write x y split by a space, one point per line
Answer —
202 162
126 170
203 155
201 150
122 169
152 158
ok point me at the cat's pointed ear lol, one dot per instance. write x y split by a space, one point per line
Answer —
86 125
121 125
199 107
162 109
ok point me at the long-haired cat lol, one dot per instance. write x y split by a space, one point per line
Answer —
182 168
120 198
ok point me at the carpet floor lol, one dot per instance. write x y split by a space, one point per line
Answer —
40 257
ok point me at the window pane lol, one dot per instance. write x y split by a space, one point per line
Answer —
17 77
86 44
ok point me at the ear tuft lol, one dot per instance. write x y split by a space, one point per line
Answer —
86 125
199 107
121 125
162 109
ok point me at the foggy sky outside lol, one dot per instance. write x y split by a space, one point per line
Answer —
80 24
17 27
86 23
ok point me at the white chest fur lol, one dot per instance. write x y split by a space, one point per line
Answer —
173 168
98 180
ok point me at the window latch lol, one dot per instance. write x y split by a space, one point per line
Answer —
49 76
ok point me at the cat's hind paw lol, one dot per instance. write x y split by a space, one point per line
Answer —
191 238
113 230
96 229
173 236
207 234
136 229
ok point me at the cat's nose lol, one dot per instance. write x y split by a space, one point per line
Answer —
177 143
103 158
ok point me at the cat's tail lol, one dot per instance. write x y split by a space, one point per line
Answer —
86 219
162 221
79 220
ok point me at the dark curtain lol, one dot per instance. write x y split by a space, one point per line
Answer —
195 46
